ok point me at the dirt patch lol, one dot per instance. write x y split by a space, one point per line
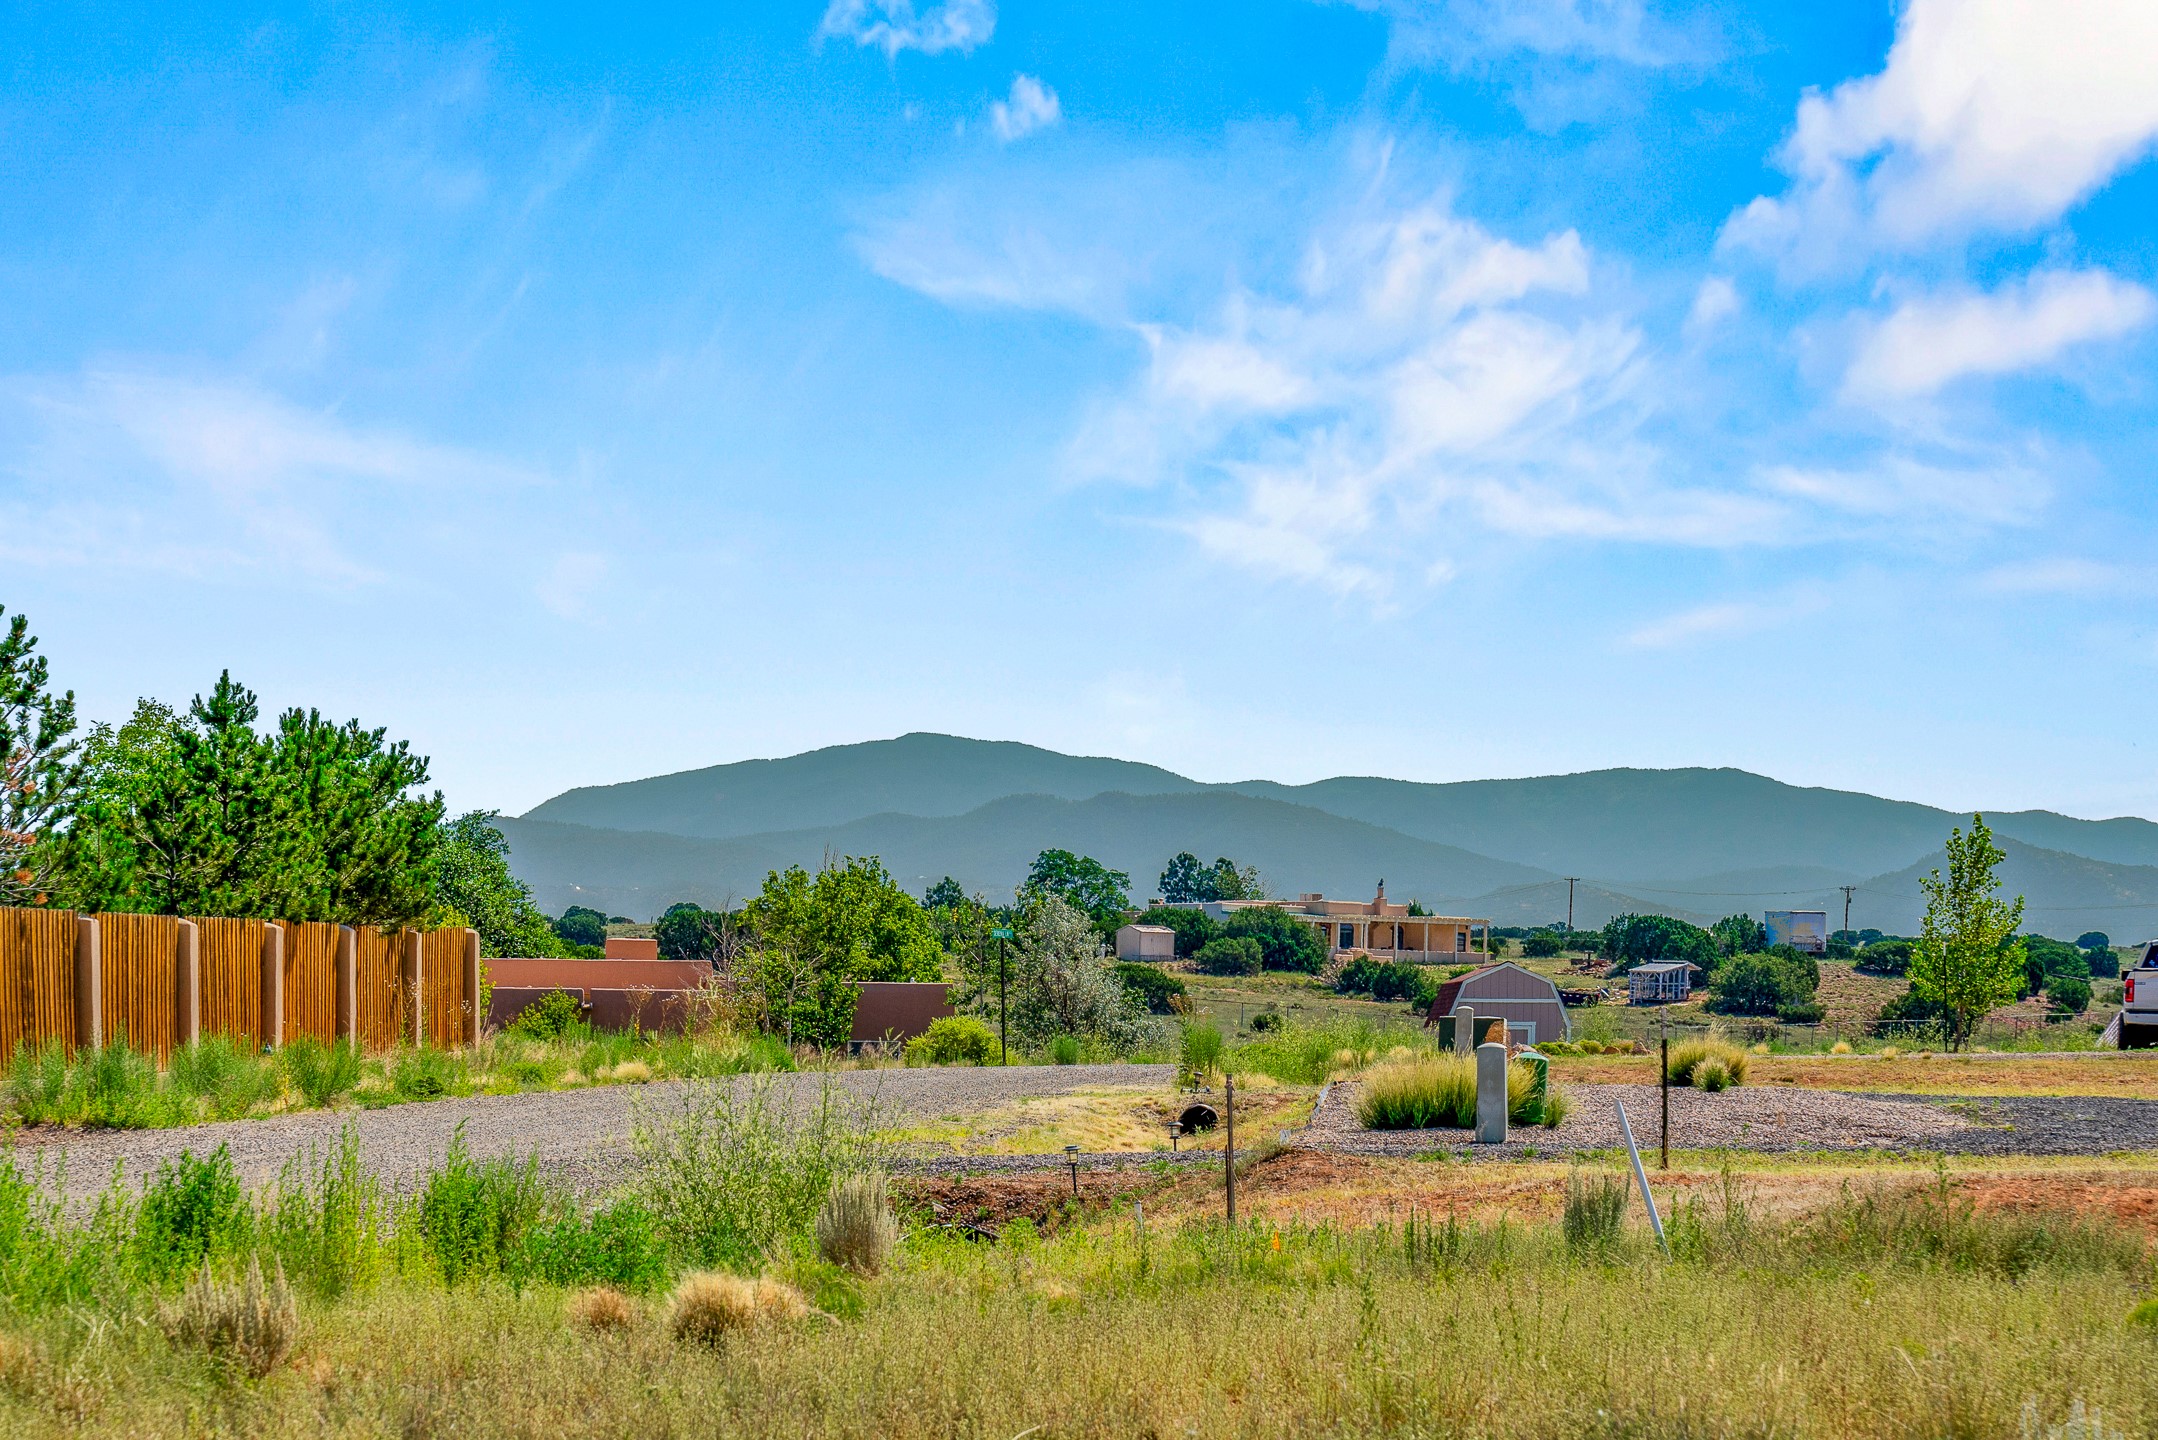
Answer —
987 1203
2124 1076
2129 1201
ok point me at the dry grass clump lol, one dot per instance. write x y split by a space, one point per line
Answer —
855 1225
710 1305
1841 1047
629 1072
251 1324
1688 1056
18 1366
603 1310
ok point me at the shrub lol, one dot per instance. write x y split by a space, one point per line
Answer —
711 1305
1284 944
1763 984
250 1325
1541 945
328 1222
1150 985
119 1088
735 1171
1064 1050
618 1245
1806 1012
953 1040
549 1017
855 1226
2069 992
192 1210
1688 1055
474 1216
1267 1021
215 1070
1712 1075
321 1072
1885 957
1387 980
1595 1211
1239 956
603 1310
1909 1015
1200 1049
425 1073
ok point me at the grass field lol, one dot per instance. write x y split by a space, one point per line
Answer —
1804 1298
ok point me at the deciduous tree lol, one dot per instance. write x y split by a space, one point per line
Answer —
1966 959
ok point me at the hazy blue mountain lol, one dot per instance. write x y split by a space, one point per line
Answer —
990 848
917 774
1694 842
2064 894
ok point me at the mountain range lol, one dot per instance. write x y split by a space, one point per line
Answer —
1692 842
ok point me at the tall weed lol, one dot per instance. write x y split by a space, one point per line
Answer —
321 1073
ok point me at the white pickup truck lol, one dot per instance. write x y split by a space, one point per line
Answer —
2139 1006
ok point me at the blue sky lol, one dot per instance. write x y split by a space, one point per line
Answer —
1431 390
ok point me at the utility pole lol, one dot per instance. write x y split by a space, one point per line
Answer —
1570 902
1003 938
1846 889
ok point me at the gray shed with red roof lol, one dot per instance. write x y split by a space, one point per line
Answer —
1528 1002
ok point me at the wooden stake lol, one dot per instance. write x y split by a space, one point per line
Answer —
1228 1153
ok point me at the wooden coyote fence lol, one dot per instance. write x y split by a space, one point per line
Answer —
159 981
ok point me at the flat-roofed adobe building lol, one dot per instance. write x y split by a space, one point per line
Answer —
1376 926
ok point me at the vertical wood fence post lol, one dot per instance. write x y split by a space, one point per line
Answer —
409 976
89 984
187 985
348 984
472 987
273 985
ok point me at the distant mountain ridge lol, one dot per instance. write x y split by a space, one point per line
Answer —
1698 842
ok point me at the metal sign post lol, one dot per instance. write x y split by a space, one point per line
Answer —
1655 1221
1003 938
1665 1016
1228 1153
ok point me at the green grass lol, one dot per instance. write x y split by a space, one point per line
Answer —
1889 1312
117 1087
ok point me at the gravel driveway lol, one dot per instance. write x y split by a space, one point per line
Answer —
580 1136
1780 1118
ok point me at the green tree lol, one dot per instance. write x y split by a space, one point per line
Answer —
1064 983
812 937
691 932
1966 959
201 814
473 886
39 767
1081 882
1630 940
1739 935
1284 944
1764 984
944 895
582 925
1541 944
1226 956
2069 992
1186 881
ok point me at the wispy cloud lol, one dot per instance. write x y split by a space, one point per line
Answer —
2063 575
204 477
894 25
1994 114
1458 32
1031 106
1725 619
1927 343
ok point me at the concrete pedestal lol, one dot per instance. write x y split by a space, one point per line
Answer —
1491 1094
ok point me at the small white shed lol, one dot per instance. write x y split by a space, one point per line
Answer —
1145 942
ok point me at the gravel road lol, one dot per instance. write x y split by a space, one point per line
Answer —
1781 1118
580 1136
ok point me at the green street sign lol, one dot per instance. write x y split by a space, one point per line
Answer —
1000 934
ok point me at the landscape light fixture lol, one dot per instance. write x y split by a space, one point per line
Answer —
1071 1157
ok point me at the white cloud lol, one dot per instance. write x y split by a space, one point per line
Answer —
1031 106
1715 302
570 584
1927 343
1724 619
893 25
1989 114
2062 575
1899 489
205 477
1459 32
